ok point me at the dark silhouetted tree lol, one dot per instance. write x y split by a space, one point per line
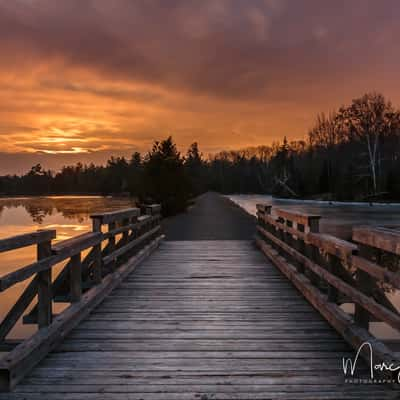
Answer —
164 177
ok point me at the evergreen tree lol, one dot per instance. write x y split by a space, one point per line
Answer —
165 180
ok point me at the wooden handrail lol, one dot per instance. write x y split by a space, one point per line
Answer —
376 271
319 264
153 209
112 216
122 250
26 239
81 282
141 221
324 242
332 245
378 237
264 208
353 293
26 272
60 252
308 220
76 244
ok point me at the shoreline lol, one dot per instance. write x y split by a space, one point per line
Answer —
228 196
319 202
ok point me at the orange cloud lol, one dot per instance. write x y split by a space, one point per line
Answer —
83 80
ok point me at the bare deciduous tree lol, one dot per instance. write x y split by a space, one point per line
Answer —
368 119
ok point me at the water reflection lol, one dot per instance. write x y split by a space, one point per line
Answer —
76 208
68 215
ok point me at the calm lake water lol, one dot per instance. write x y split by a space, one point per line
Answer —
338 220
69 215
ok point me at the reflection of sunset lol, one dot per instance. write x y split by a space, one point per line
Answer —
68 215
225 74
20 214
67 231
74 227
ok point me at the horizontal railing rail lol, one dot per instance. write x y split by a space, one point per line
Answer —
330 271
95 262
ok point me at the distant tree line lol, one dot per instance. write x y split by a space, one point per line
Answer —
350 154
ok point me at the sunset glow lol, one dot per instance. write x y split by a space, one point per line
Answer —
80 81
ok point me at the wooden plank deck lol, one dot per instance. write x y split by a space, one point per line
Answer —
199 320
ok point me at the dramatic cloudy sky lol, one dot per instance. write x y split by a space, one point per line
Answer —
81 79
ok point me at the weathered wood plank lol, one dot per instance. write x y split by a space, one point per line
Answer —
59 252
298 217
339 248
342 322
18 308
197 386
300 394
44 287
26 272
368 303
375 270
199 320
380 238
75 276
264 208
324 242
130 245
20 360
153 209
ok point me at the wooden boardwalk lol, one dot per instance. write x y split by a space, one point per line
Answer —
199 320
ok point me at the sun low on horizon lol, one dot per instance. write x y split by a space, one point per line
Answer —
80 81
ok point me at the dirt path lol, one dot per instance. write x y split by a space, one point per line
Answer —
212 217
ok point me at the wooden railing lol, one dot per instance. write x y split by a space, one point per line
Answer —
118 242
331 271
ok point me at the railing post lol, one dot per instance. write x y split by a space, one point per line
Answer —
363 280
75 275
111 240
260 214
44 316
112 246
314 224
148 210
312 251
150 223
267 211
280 235
262 211
361 316
97 261
289 240
333 266
287 237
125 234
134 231
300 247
